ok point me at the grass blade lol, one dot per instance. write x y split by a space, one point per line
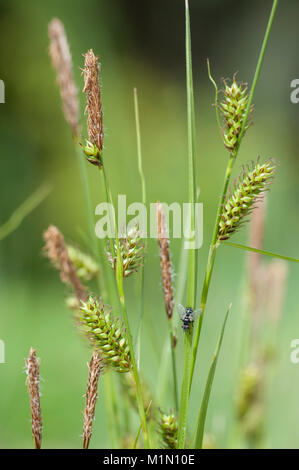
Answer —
192 262
143 188
17 217
201 419
261 252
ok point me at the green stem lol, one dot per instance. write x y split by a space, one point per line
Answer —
119 281
120 288
192 265
90 215
17 217
213 246
201 419
173 362
143 188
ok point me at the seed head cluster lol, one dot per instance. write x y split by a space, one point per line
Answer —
240 203
233 108
168 428
106 334
60 54
131 252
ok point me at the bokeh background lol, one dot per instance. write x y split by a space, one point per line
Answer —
140 44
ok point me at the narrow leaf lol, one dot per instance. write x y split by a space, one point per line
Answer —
261 252
201 419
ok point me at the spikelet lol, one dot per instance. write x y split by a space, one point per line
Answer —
91 397
87 268
32 370
165 262
129 390
94 145
106 334
131 251
240 203
233 108
57 252
62 61
168 428
249 385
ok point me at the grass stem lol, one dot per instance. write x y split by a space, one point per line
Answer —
213 246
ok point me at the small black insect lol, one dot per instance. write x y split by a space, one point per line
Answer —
188 316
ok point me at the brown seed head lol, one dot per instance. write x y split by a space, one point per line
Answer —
62 61
57 253
93 100
91 397
32 369
165 261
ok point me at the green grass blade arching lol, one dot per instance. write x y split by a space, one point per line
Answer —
200 423
261 252
192 265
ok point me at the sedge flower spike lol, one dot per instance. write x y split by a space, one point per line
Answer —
33 384
106 334
60 54
94 369
94 144
131 252
233 108
246 193
168 428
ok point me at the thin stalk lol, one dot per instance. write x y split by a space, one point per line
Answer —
213 245
173 362
17 217
192 261
143 188
98 254
119 282
113 434
201 419
140 427
120 288
90 217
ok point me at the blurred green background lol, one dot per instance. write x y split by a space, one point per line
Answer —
140 44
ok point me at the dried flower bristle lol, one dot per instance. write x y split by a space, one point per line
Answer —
62 61
128 386
32 370
57 253
87 268
131 252
91 397
240 203
165 261
94 147
106 334
168 428
233 107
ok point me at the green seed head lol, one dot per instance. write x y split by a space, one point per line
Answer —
92 153
233 108
169 430
86 267
131 251
106 334
248 389
240 203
